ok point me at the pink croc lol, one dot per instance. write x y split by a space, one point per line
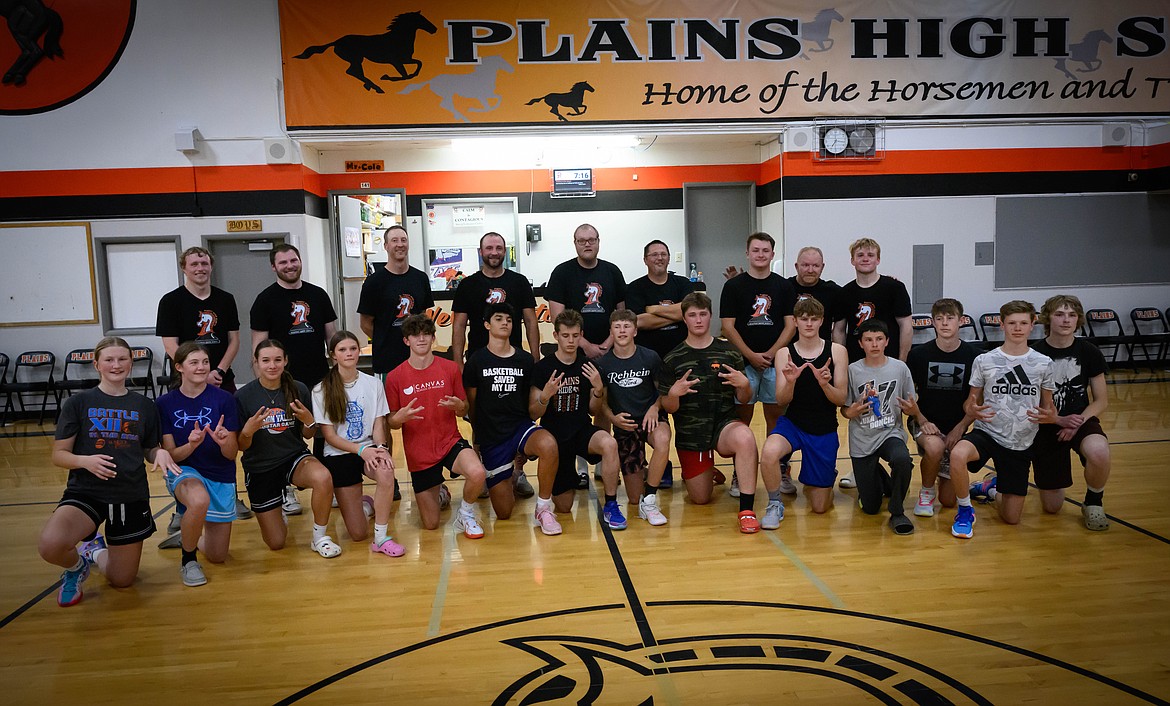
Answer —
388 547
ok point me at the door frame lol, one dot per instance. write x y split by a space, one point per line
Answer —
334 247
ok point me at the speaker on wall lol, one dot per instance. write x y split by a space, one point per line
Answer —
1115 135
799 139
280 151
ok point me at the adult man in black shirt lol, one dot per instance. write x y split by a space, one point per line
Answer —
656 298
197 311
493 284
296 313
388 296
807 282
591 286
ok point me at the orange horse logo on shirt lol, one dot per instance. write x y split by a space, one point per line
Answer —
496 296
206 322
405 304
300 313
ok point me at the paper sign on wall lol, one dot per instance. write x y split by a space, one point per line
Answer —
467 216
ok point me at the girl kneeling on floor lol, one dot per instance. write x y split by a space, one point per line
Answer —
351 409
275 455
103 435
199 430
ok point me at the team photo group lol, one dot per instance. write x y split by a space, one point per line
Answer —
635 371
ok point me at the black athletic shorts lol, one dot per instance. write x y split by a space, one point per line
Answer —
569 449
266 490
430 477
346 469
1011 466
1051 462
126 523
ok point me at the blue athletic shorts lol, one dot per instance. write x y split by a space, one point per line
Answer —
222 507
818 454
498 458
763 385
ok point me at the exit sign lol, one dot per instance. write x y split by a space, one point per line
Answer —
245 225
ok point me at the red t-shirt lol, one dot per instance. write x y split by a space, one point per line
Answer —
427 440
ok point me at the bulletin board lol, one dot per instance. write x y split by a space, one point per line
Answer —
47 272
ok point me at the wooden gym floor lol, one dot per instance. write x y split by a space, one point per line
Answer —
831 609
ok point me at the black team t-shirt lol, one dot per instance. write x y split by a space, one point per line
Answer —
473 295
297 318
825 291
594 292
758 307
390 298
887 299
207 322
568 410
501 393
943 381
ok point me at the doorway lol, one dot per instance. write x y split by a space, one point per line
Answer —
242 267
718 220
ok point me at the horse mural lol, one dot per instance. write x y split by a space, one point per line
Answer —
574 99
394 47
817 31
29 21
479 85
1084 52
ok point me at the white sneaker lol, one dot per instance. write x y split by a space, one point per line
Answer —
192 574
787 487
547 521
444 497
648 510
243 512
733 491
925 506
773 516
175 524
468 525
847 482
291 505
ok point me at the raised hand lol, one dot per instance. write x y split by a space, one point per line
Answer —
554 384
410 412
823 374
300 411
909 406
592 374
684 385
220 434
101 465
195 438
451 402
791 371
733 377
256 421
983 411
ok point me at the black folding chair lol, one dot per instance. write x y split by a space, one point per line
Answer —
991 328
142 371
80 360
32 373
923 329
1106 331
1150 331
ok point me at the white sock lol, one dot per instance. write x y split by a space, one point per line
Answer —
380 532
543 504
467 509
318 531
99 557
1096 490
965 502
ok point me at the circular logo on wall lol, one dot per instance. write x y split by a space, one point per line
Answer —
54 52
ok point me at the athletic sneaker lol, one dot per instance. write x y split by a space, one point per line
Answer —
174 541
981 490
925 506
748 524
773 516
243 512
733 491
332 503
597 472
582 474
787 487
718 477
368 506
291 505
71 580
648 510
847 482
547 521
88 549
522 487
612 515
175 524
667 476
468 525
397 491
964 525
444 497
1095 517
192 574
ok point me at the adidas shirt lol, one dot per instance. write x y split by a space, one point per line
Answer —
1011 386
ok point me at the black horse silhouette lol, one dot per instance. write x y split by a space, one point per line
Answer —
1084 52
395 47
28 20
574 99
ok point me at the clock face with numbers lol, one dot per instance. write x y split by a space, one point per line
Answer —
861 140
835 140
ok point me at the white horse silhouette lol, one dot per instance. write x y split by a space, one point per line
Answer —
480 85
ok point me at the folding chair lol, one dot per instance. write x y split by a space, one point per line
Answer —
167 379
35 379
923 329
85 377
1150 331
1105 331
967 330
142 371
991 328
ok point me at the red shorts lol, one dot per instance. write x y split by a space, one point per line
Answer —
695 463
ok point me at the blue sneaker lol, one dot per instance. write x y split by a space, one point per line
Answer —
964 525
88 549
667 476
981 490
71 580
612 515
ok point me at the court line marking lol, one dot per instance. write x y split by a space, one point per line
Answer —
636 605
808 573
49 591
444 574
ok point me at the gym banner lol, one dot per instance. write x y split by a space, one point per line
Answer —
354 64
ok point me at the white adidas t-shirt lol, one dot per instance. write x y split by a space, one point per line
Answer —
367 402
1011 386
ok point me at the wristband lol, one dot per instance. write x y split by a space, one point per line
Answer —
380 446
362 448
221 372
311 424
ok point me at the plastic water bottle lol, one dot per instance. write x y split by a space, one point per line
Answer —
700 276
694 272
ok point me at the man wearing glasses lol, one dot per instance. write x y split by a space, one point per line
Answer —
591 286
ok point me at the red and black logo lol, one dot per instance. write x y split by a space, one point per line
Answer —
55 52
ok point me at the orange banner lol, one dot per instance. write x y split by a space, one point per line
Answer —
360 64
